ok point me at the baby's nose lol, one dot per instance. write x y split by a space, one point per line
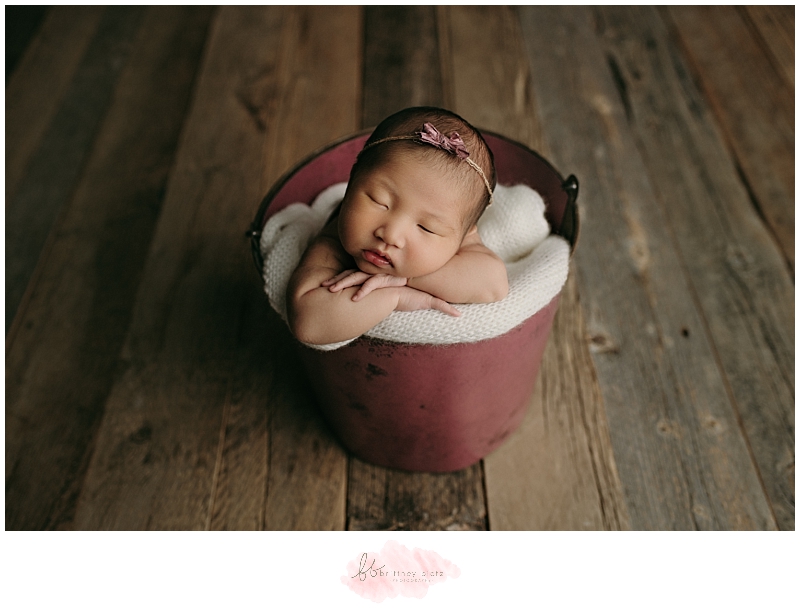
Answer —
390 233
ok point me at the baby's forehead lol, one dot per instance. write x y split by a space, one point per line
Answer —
454 174
460 184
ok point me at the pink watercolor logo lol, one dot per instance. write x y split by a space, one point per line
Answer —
396 570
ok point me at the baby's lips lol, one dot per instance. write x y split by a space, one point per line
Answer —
377 258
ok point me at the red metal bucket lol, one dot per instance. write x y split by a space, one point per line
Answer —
423 407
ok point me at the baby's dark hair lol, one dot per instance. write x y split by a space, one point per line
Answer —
409 121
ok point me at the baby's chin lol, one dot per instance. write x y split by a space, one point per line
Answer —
372 269
369 268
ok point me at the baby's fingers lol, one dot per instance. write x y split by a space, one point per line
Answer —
443 306
378 282
351 279
337 278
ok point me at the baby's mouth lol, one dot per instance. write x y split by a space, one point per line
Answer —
377 258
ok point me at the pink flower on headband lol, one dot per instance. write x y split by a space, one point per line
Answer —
453 144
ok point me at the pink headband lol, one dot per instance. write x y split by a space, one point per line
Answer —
453 144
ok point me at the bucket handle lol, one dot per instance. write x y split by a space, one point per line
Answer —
254 233
569 223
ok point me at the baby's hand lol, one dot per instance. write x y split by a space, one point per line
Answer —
414 299
348 278
368 282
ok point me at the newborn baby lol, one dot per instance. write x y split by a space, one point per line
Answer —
405 236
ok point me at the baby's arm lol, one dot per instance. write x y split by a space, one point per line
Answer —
318 316
475 275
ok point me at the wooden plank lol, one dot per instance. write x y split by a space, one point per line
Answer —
490 76
318 85
35 91
312 57
736 271
754 105
60 366
402 69
775 28
279 466
22 24
383 499
157 450
557 471
149 471
54 169
402 54
682 459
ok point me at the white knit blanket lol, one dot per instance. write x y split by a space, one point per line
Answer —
514 228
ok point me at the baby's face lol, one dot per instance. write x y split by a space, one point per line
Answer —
403 217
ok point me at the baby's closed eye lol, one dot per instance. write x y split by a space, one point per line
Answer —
377 201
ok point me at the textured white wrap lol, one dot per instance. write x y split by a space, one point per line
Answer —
514 228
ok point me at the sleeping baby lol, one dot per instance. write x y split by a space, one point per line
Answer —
405 236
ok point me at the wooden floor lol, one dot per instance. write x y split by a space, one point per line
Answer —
149 386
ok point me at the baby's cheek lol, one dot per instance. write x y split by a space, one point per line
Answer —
424 262
346 238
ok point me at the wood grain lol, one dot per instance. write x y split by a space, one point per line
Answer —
401 53
157 453
61 364
734 267
320 47
149 385
491 82
754 105
22 24
35 91
54 168
402 68
682 458
557 471
382 499
319 90
774 26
